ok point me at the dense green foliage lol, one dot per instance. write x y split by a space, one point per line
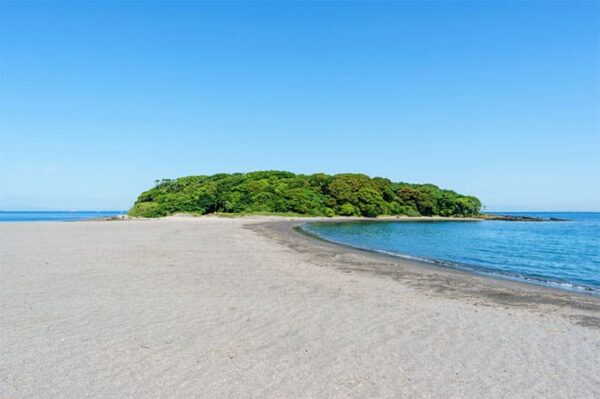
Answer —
314 195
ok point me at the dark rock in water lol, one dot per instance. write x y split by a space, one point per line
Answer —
513 218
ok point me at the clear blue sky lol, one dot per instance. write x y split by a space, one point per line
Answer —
495 99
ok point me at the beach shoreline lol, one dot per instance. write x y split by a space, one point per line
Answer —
230 307
448 266
465 282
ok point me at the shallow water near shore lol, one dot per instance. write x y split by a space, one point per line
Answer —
560 254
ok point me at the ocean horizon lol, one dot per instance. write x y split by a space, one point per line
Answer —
75 215
56 216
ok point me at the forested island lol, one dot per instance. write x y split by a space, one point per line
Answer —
319 194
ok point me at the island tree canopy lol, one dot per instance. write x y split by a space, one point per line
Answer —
346 194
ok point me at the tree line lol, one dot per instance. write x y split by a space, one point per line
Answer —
346 194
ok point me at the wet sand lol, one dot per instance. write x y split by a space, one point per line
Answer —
218 307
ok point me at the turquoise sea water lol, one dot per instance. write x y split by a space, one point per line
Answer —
54 216
563 254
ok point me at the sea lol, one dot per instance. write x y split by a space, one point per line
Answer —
564 254
55 216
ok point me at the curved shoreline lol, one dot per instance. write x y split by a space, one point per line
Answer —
451 265
425 276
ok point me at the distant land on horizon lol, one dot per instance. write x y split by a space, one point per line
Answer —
125 210
319 194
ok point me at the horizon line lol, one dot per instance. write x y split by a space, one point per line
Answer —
125 210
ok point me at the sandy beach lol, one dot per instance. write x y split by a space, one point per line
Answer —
248 307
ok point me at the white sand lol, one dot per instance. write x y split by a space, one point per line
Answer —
209 308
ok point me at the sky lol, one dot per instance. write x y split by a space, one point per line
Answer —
496 99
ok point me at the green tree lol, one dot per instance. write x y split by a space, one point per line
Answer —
318 194
348 209
370 202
